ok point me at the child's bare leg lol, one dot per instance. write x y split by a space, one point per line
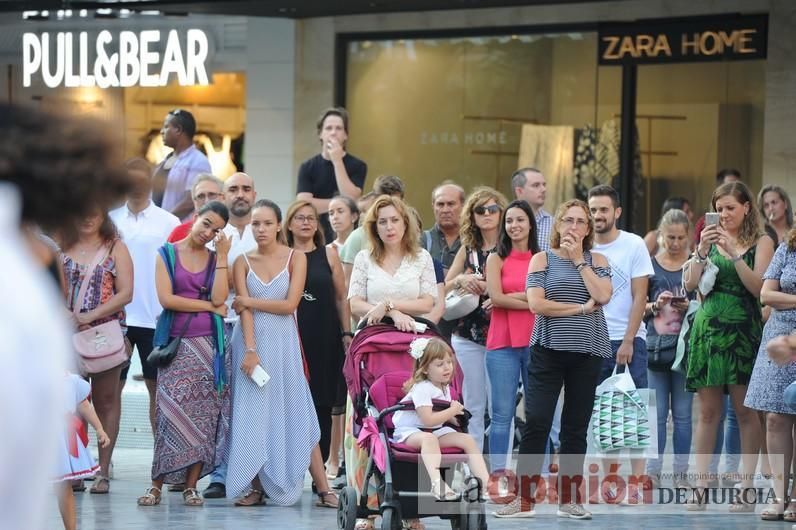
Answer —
66 504
476 459
429 451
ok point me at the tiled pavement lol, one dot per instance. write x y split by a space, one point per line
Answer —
132 459
118 510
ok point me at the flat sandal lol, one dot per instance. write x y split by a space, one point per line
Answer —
773 512
252 497
149 498
789 514
191 497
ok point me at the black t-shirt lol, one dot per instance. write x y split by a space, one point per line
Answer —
316 176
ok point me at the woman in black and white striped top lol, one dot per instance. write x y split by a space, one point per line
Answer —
566 288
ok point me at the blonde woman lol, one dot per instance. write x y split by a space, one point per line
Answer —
392 278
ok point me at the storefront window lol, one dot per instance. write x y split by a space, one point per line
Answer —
435 109
474 109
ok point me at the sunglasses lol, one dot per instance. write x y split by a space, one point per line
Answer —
483 210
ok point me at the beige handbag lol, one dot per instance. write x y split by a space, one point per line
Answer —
102 347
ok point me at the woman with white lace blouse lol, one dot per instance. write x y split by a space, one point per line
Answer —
393 278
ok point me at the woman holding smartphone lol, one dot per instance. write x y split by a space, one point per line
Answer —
269 283
666 308
727 327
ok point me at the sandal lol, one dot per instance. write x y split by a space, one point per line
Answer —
412 524
789 514
191 497
78 486
102 485
252 497
332 472
697 503
773 512
323 499
437 488
364 524
149 498
743 506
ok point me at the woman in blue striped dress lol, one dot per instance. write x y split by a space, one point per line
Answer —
274 427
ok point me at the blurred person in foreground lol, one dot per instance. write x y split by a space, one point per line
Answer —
53 170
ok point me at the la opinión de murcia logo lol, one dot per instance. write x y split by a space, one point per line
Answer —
135 64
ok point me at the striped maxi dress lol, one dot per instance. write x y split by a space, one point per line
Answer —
274 428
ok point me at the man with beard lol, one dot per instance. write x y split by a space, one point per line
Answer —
631 268
239 196
530 186
442 240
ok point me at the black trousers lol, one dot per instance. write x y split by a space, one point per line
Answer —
548 371
325 423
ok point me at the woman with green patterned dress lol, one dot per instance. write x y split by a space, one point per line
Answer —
727 328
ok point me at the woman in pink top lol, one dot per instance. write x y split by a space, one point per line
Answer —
507 350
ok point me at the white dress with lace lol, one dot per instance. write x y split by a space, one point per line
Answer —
414 278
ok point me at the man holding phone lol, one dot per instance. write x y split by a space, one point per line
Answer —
333 171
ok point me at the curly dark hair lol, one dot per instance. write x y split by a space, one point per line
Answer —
63 167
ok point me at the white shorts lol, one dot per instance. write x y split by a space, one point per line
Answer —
401 434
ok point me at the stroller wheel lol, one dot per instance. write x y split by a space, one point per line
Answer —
390 519
347 509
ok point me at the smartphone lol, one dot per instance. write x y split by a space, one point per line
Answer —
711 218
260 376
678 299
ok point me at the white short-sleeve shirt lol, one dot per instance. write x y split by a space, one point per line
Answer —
629 258
421 395
144 233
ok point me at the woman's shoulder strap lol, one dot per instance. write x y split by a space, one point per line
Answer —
167 254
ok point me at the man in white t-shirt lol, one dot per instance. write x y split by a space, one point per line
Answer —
144 228
239 196
631 268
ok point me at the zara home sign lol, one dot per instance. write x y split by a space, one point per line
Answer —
74 60
700 39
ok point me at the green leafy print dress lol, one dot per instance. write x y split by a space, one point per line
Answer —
726 331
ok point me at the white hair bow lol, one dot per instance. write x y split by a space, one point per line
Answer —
418 347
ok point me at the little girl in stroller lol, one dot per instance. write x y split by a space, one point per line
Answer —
425 429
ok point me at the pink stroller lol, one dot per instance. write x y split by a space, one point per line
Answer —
377 366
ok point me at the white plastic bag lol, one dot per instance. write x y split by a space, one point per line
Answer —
708 278
621 417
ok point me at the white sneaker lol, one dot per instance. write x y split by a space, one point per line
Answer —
573 511
513 510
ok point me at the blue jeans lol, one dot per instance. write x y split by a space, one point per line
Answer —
504 368
638 364
790 396
670 393
729 440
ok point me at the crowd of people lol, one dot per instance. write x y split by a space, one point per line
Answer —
242 318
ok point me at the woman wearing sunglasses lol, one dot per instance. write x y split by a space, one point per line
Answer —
479 229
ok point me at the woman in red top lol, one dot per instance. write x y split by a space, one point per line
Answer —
507 343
